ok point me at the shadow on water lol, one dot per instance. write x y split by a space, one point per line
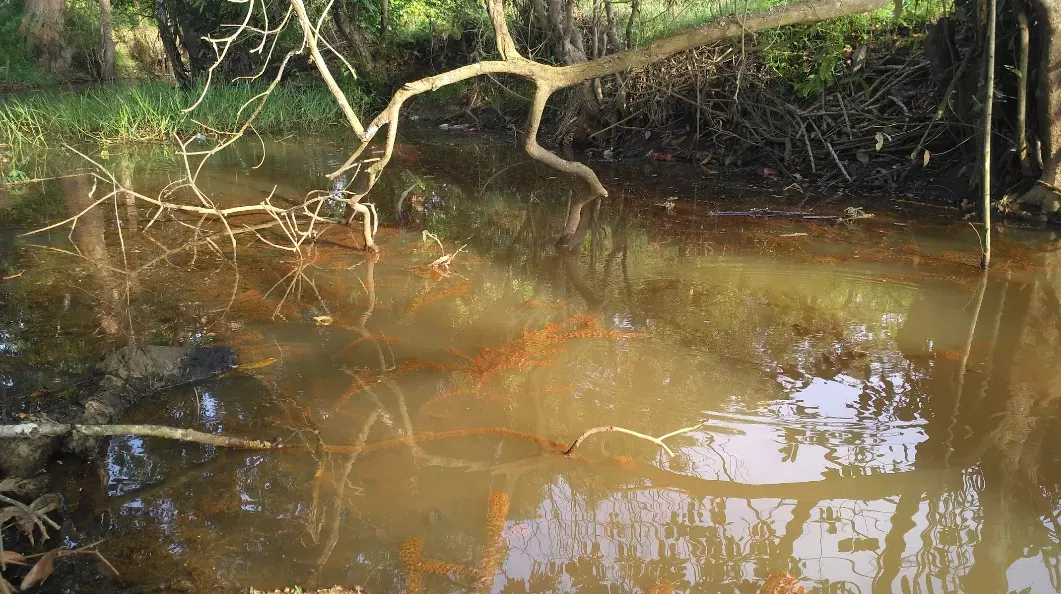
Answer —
879 417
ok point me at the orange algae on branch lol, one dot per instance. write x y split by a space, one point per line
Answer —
496 514
782 583
410 552
661 588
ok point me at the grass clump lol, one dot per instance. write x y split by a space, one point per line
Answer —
154 110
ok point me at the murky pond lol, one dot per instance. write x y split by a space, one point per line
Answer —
876 415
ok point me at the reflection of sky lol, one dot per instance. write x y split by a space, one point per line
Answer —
733 539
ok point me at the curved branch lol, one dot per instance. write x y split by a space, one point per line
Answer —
656 440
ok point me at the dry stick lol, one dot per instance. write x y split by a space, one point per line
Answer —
656 440
942 104
989 92
1022 95
806 141
831 151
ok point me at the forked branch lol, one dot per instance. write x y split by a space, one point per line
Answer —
656 440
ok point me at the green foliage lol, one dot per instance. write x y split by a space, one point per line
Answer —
154 111
814 59
417 19
14 176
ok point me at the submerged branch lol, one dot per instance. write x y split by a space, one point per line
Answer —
656 440
47 429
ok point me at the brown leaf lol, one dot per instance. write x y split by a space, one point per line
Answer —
40 571
6 587
14 558
928 156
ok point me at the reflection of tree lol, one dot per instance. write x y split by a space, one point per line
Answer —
90 240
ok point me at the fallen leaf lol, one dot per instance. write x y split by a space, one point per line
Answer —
863 157
6 587
323 320
648 134
40 571
928 156
14 558
880 141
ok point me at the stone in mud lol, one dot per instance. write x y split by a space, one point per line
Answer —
123 377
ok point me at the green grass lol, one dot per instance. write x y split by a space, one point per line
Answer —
154 110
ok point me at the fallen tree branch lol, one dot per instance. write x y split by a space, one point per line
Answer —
549 79
48 429
656 440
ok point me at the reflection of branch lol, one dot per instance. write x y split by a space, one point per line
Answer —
340 489
656 440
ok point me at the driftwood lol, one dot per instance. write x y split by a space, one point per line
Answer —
47 429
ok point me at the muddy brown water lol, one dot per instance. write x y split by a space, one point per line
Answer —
878 416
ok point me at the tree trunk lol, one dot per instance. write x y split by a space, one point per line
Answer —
350 31
384 22
42 25
108 39
169 43
1047 26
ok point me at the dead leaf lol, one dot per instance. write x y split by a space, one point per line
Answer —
40 571
863 157
928 156
14 558
648 134
323 320
6 587
880 140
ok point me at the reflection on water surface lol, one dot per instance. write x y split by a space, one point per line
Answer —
878 416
